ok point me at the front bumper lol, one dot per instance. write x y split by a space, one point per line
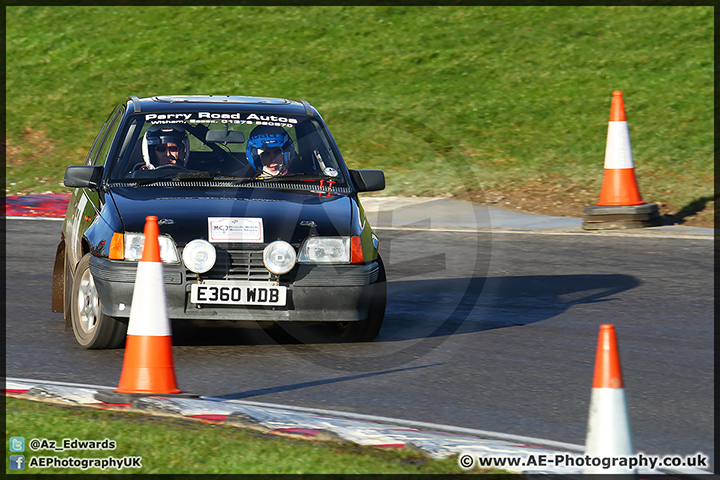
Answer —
316 293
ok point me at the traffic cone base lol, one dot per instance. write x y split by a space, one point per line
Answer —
620 217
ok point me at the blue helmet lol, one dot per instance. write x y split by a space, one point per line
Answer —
264 137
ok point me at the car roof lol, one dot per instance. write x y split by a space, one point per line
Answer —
173 103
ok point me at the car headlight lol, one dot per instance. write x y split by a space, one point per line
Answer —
134 246
279 257
325 250
199 256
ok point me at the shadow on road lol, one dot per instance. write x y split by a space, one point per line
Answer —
328 381
419 309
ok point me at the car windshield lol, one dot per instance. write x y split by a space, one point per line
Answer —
243 146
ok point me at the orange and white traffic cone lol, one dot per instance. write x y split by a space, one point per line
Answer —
620 204
608 432
148 367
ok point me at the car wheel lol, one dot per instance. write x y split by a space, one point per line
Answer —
91 327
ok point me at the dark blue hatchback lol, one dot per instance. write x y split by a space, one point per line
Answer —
260 221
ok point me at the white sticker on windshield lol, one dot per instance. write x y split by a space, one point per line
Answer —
330 172
229 229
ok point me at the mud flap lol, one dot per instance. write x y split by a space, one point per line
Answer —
58 282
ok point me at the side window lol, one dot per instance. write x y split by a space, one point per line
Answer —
112 126
129 154
96 144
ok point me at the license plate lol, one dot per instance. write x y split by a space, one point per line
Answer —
270 295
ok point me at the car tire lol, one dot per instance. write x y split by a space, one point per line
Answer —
91 327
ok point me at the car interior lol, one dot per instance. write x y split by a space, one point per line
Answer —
224 154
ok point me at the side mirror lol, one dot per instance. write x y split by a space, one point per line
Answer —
368 180
83 176
222 136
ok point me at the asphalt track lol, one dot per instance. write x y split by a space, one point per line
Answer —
492 324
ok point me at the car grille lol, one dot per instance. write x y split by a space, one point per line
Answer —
244 263
241 263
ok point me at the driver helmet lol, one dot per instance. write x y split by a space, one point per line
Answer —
264 137
161 134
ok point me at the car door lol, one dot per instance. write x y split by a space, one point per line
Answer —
85 203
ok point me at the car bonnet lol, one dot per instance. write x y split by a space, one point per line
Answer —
185 214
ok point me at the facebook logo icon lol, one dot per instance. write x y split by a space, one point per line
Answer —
17 462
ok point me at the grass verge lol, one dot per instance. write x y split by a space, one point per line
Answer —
521 93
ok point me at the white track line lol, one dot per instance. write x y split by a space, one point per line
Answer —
649 234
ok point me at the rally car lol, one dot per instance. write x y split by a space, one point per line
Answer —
260 221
